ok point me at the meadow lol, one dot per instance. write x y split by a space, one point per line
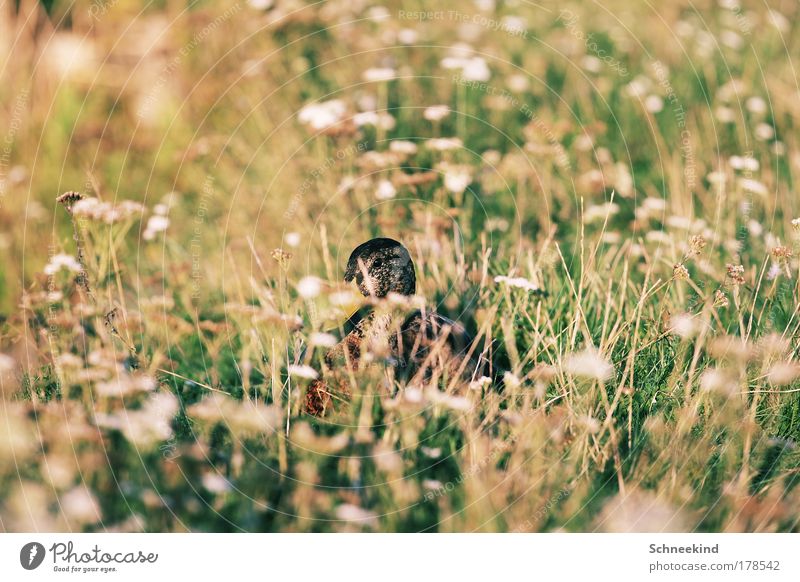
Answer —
602 193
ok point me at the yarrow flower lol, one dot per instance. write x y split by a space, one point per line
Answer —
401 146
720 299
309 287
380 74
680 272
322 115
443 144
783 373
781 253
480 383
385 190
456 180
326 340
589 364
302 371
436 112
281 256
683 325
519 282
745 163
754 186
735 273
155 224
696 244
95 209
292 238
62 261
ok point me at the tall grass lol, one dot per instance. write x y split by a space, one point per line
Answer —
154 333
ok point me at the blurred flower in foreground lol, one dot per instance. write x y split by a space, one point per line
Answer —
326 340
641 511
155 224
322 115
401 146
443 144
589 364
457 179
80 506
240 417
718 380
95 209
783 373
519 282
145 426
62 261
680 272
300 371
683 325
436 112
385 190
309 287
125 385
355 514
379 74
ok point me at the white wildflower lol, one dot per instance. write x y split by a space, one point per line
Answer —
778 20
746 163
385 190
125 385
756 105
783 373
654 103
519 282
600 212
480 383
683 325
343 298
444 143
62 261
380 74
754 186
322 115
155 225
456 180
309 287
431 452
589 364
764 132
303 371
292 239
80 505
407 36
719 381
216 483
355 514
7 364
401 146
325 340
476 69
436 112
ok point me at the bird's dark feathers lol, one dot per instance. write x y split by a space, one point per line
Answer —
425 345
381 266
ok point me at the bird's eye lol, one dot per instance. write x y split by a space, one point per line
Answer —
377 263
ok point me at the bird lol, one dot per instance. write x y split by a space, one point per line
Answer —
416 347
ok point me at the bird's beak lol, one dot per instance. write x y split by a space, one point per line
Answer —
348 310
357 299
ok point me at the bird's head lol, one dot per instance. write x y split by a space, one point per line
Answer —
381 266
